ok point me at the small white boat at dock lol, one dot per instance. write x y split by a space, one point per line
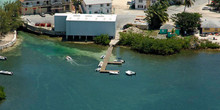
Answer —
97 69
100 64
102 57
68 58
119 61
130 73
3 58
113 73
6 72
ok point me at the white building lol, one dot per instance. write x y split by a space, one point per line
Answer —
97 6
85 26
143 4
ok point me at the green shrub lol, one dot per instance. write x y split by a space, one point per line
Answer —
2 94
209 44
102 39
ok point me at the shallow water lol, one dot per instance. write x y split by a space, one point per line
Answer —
44 80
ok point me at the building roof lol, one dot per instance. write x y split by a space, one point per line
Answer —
62 14
92 17
167 26
210 24
93 2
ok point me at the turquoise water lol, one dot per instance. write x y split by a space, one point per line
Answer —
44 80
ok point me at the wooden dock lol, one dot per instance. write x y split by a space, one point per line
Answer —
106 61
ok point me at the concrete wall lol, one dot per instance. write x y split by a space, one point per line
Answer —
211 30
91 28
97 8
60 23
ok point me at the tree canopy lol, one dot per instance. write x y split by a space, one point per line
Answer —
10 16
188 3
2 94
156 14
187 22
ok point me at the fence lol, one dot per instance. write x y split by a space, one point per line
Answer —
9 44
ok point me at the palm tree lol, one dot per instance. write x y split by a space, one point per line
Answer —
156 15
188 3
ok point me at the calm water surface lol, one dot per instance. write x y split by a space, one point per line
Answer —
44 80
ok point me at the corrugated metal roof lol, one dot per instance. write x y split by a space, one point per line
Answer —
92 2
210 24
92 17
167 26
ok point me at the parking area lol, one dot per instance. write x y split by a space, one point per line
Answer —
212 38
33 19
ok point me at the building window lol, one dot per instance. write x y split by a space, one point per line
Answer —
140 1
207 29
27 3
38 2
107 11
216 29
90 6
108 4
140 6
101 5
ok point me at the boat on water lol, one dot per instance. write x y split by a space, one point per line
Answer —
113 72
97 69
119 61
100 64
68 58
102 57
6 72
130 73
3 58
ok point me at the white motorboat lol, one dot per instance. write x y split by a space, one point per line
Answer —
68 58
97 69
119 61
129 73
6 72
113 72
100 64
3 58
102 57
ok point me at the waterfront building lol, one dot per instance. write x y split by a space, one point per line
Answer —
169 30
85 26
30 7
210 26
97 6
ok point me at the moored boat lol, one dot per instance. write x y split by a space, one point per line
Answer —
6 72
130 73
97 69
102 57
113 72
100 64
3 58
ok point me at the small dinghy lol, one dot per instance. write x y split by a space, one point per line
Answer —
68 58
97 69
102 57
113 72
3 58
130 73
6 72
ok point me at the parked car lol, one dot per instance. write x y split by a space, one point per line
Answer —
42 14
205 8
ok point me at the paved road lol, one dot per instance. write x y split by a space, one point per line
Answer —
197 7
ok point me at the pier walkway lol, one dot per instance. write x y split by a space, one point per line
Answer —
107 57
